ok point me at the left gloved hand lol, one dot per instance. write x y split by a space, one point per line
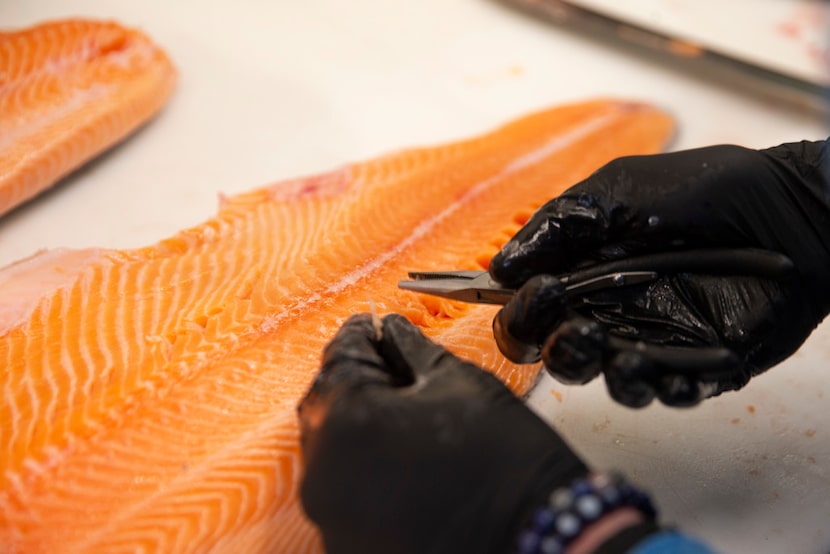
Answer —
409 449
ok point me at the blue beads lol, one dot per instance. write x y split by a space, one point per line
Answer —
529 542
543 520
569 510
610 495
581 486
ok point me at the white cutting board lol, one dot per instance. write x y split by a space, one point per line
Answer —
271 90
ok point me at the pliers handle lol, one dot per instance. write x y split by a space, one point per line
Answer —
705 362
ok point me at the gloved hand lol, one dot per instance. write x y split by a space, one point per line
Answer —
408 449
717 197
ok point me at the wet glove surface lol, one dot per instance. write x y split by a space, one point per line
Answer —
776 199
409 449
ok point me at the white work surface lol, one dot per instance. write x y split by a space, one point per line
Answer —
271 90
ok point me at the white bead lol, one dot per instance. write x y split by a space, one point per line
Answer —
568 525
589 506
561 499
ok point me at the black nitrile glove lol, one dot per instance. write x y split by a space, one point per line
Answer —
776 199
409 449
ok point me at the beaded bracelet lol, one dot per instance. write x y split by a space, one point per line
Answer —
570 510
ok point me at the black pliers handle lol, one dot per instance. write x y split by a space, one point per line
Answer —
706 362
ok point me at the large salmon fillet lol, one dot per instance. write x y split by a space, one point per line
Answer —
149 396
68 90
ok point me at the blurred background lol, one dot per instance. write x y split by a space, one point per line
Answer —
274 90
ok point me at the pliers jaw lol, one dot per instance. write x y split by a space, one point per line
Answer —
463 285
478 287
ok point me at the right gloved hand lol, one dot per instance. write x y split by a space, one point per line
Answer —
776 199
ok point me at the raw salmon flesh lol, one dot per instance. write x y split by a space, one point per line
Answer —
149 395
68 90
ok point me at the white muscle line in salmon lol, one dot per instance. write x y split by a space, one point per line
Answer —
80 98
534 157
259 436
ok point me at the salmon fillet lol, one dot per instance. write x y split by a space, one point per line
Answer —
149 395
69 90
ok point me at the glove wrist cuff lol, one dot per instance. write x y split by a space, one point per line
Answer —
570 510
